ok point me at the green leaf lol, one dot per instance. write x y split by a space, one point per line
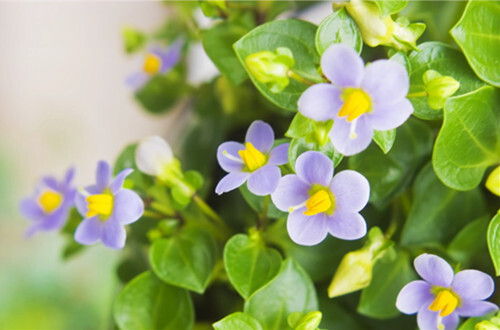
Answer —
186 260
148 303
390 174
448 62
294 34
338 28
470 241
389 7
438 212
127 160
385 139
257 203
218 42
493 238
390 274
478 35
290 291
300 145
133 39
238 320
161 92
469 140
300 126
249 263
401 58
470 324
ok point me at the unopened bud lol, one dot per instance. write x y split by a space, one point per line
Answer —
493 181
309 321
488 325
271 67
439 88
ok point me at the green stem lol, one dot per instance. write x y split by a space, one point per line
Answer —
416 94
211 214
262 220
295 76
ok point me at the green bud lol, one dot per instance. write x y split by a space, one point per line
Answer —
132 39
493 181
439 88
487 325
213 8
309 321
355 270
271 67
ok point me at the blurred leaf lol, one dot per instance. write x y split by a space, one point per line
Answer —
133 39
389 7
470 241
494 241
338 28
257 203
161 92
238 320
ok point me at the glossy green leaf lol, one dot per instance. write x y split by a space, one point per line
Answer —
186 260
389 7
249 263
470 241
290 291
385 139
448 62
218 42
296 35
238 320
438 212
469 140
478 35
401 58
148 303
338 28
390 274
493 240
390 174
300 145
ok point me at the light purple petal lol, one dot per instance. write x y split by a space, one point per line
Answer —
32 229
279 155
226 161
264 180
128 206
351 191
320 102
89 231
342 65
473 284
341 136
103 175
389 116
51 182
169 56
434 270
346 225
261 135
30 209
113 234
427 319
70 174
81 200
55 220
385 81
450 322
117 182
291 191
231 181
476 308
413 296
314 168
136 80
306 230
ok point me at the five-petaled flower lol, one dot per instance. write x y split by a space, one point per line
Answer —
359 100
49 206
319 204
254 161
156 61
107 207
443 296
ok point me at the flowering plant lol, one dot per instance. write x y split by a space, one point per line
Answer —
370 157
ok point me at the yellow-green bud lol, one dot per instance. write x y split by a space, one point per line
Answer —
439 88
493 181
309 321
132 39
271 67
488 325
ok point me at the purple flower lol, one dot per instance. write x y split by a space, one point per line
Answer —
443 296
48 207
320 203
107 207
254 161
156 61
359 100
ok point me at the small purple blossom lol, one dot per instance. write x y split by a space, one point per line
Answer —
107 207
49 206
320 203
442 297
359 100
156 61
255 162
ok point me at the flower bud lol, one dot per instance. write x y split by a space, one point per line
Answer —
493 181
439 88
309 321
271 67
355 270
153 155
493 324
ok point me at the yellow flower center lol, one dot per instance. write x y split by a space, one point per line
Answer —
321 201
152 64
100 204
356 103
252 157
50 201
445 303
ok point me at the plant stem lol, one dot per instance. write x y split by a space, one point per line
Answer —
295 76
262 220
211 214
416 94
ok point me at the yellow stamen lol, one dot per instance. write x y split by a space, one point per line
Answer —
356 103
319 202
100 204
50 201
252 157
445 302
152 64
